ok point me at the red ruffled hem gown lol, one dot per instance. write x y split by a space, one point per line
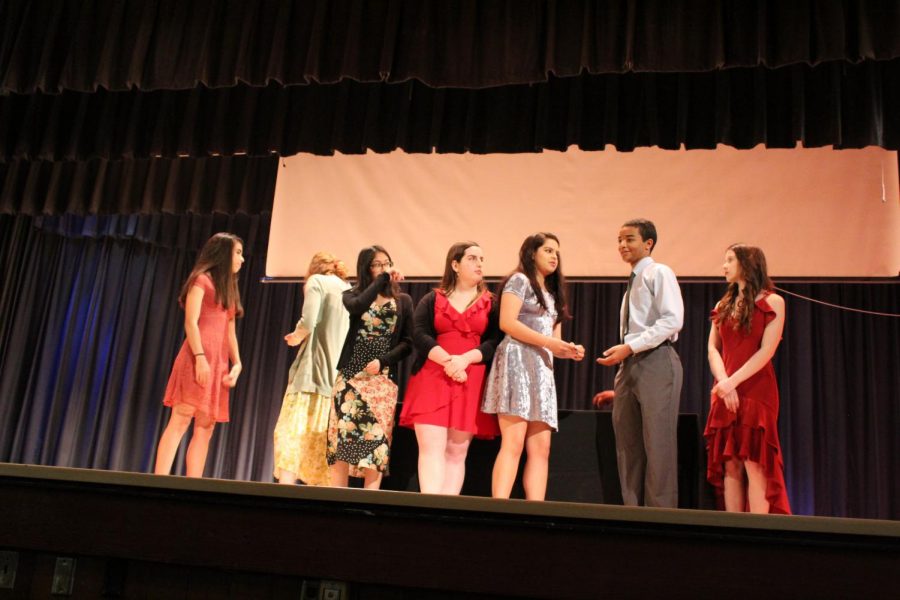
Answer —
752 432
433 398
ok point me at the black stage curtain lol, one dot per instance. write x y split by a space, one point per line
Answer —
85 45
89 327
839 104
226 184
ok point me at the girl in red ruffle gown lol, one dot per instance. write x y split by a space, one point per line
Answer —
745 463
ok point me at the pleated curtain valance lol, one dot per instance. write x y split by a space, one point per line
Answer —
85 45
836 103
227 185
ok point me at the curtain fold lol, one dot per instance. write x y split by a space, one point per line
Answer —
228 185
847 106
89 328
87 45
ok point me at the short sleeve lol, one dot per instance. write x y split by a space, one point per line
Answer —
517 284
204 281
714 313
767 311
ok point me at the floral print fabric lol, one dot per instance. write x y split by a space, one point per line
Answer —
362 417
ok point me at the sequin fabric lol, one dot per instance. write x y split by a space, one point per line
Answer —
521 378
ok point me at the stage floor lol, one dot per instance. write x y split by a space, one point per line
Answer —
461 544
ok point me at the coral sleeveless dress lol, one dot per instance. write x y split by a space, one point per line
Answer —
211 399
432 398
752 432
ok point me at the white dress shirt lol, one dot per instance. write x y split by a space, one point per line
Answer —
656 310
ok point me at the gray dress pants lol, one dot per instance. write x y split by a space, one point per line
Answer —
645 420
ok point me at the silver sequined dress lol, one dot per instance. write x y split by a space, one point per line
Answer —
521 379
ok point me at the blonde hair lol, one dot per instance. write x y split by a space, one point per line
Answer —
322 263
340 269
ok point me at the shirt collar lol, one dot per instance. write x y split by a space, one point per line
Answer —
642 264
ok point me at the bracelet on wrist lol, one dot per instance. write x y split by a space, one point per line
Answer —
199 354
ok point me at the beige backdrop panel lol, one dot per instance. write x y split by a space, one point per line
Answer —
816 212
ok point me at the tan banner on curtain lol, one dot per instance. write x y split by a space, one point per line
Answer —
816 212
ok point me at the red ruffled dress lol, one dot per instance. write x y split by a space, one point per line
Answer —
432 398
752 432
211 399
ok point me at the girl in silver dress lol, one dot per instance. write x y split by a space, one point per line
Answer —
520 388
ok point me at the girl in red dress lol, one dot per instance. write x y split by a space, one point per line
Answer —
456 332
745 464
201 377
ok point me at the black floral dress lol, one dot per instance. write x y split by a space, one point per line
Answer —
362 418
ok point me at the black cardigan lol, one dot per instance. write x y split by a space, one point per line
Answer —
425 336
357 303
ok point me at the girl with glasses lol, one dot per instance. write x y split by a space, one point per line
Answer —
365 392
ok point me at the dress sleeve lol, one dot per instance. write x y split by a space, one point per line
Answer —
205 282
768 312
404 336
357 303
423 325
311 313
492 335
518 285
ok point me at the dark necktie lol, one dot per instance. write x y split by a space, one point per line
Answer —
627 314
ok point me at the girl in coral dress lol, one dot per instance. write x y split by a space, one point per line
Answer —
201 376
745 463
455 334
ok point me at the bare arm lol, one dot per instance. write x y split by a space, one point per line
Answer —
717 366
230 379
713 352
192 306
510 305
192 317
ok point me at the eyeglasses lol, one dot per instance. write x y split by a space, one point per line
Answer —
381 265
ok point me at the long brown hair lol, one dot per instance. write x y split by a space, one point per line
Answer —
448 282
216 261
756 279
555 282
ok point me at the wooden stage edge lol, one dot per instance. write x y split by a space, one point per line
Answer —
420 541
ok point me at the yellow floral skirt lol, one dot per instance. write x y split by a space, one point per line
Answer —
301 437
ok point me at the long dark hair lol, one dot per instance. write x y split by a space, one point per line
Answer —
216 261
555 282
756 279
364 277
456 253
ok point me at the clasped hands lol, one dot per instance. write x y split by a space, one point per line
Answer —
562 349
455 368
726 390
